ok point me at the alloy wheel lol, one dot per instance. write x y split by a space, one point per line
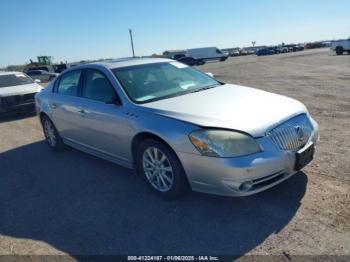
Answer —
158 169
50 133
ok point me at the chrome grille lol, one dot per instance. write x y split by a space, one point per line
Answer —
18 99
293 134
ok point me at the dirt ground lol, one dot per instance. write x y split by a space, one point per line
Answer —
72 203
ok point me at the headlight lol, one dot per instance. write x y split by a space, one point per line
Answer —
222 143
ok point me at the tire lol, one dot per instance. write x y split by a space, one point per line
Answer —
171 182
339 50
52 137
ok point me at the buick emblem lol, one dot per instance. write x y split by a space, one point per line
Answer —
300 133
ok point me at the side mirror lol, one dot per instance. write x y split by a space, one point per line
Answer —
210 74
37 81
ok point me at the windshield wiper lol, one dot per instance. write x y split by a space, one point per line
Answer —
204 88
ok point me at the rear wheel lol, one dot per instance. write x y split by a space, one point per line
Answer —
161 169
52 137
339 50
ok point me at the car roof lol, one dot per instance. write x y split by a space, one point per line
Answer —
129 61
10 72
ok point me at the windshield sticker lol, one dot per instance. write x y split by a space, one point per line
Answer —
179 65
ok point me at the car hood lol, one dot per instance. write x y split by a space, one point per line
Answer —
231 107
20 90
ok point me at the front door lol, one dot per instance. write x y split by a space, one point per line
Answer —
103 125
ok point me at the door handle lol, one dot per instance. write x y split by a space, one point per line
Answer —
53 106
82 112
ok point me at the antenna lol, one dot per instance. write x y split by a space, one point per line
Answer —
132 43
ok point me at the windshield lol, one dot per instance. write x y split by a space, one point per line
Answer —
14 80
150 82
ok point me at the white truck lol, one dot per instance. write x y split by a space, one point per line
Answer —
206 53
341 46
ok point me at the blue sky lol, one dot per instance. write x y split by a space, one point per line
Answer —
89 29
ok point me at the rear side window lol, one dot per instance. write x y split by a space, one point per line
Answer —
69 83
97 87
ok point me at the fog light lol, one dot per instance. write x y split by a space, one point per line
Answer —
246 186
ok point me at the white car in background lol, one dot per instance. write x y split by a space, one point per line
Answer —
17 91
42 75
236 53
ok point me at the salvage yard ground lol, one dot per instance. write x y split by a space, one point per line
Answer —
73 203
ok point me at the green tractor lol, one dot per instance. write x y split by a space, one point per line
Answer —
45 63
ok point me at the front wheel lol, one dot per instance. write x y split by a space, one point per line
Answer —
161 169
339 50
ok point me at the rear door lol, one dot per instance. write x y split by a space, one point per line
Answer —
65 105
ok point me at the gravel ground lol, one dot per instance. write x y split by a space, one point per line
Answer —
75 204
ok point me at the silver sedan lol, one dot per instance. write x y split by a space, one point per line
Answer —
177 127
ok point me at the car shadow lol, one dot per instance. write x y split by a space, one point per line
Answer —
83 205
9 117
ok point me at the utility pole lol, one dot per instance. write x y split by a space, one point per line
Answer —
132 43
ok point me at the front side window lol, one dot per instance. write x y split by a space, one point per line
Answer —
97 87
69 83
14 80
150 82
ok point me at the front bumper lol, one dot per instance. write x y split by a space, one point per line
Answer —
18 103
240 176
